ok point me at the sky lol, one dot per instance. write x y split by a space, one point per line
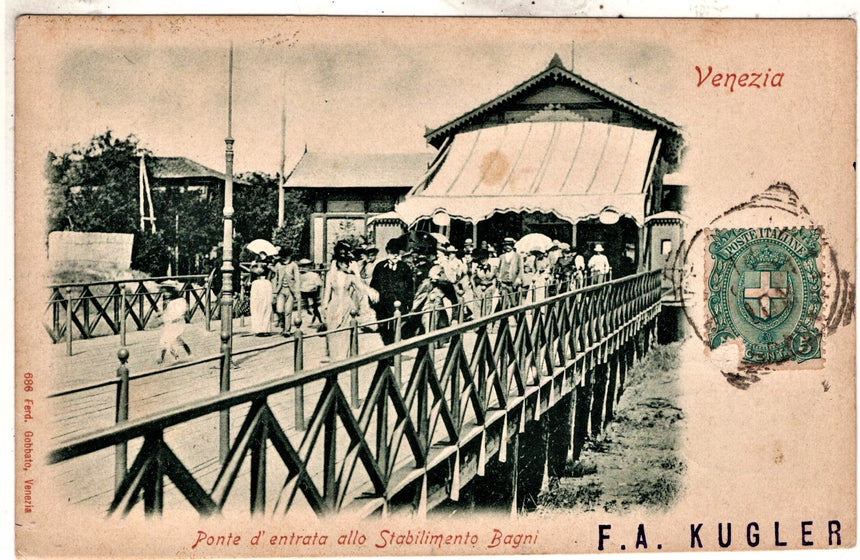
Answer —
371 91
374 84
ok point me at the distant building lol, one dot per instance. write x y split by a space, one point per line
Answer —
184 174
172 179
355 194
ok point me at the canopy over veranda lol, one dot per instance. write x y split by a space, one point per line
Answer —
577 170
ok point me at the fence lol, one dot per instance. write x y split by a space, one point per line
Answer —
498 372
104 308
99 308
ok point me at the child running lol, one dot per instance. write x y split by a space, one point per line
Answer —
173 318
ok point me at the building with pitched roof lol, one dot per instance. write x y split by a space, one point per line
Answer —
556 154
354 194
184 174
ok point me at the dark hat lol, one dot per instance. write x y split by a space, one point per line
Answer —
422 243
372 250
343 251
397 244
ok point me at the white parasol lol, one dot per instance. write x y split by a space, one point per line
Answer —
441 240
533 242
262 246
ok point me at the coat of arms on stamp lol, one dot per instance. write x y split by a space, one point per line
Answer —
765 288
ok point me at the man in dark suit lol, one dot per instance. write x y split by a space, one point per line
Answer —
392 278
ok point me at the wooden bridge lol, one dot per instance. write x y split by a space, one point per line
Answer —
490 404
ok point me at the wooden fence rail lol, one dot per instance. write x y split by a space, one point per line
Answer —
97 308
497 374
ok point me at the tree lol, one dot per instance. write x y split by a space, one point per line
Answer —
257 212
294 233
256 205
94 187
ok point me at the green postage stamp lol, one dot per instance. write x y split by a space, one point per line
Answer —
765 288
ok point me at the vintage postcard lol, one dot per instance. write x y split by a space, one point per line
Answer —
345 286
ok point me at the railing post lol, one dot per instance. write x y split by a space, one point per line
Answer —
122 313
431 322
353 351
207 297
298 366
224 415
258 471
141 291
121 449
330 481
68 321
398 335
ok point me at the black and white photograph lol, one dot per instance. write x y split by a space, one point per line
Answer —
330 286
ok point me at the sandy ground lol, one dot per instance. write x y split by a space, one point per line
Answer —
635 462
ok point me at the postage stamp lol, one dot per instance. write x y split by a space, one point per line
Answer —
765 288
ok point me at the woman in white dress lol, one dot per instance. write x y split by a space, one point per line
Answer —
341 295
261 297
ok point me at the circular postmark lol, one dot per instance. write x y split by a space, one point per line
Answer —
688 277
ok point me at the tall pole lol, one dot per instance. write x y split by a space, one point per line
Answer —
227 269
283 144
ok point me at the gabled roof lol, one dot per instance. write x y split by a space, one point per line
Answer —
556 72
342 170
179 168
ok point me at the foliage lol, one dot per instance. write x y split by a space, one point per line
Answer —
150 253
255 201
190 223
94 187
294 234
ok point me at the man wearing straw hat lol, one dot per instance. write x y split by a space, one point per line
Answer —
598 264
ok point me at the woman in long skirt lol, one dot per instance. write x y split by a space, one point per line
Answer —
261 300
484 285
343 289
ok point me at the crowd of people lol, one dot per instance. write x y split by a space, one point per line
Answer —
430 283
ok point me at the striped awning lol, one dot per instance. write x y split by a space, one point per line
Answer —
574 169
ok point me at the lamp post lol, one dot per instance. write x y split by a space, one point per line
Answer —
227 270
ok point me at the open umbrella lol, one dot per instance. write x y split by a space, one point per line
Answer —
533 242
440 239
422 243
262 246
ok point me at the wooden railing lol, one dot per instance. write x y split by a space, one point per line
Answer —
103 308
498 372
